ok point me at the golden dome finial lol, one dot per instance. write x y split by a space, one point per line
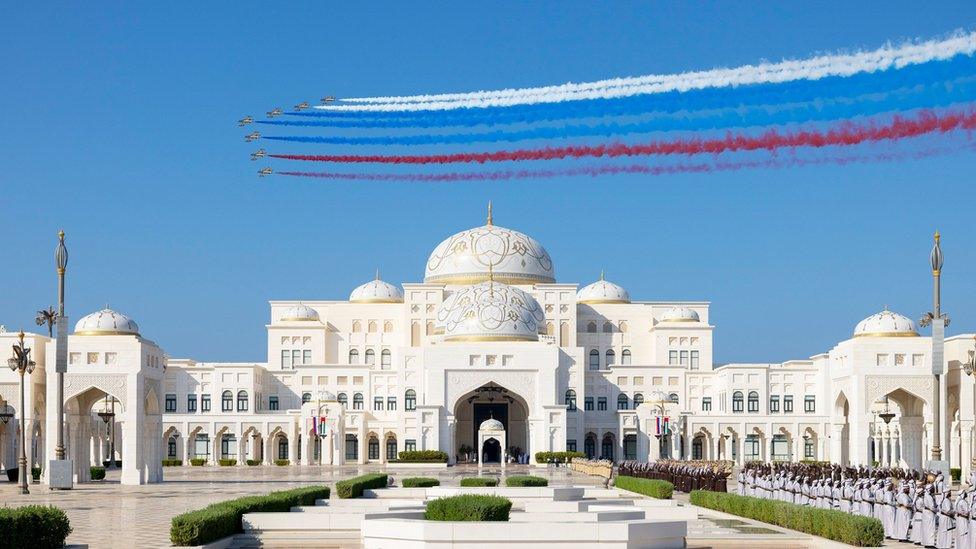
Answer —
601 274
489 214
377 273
61 235
937 236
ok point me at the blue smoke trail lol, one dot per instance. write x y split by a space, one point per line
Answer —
694 100
939 94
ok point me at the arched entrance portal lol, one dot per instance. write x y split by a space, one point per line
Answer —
492 451
492 401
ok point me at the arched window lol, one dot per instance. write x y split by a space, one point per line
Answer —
386 359
357 326
550 329
357 401
753 401
571 400
306 397
638 400
622 402
387 327
591 327
391 447
430 328
227 401
370 357
371 327
611 358
242 401
410 400
673 397
353 356
352 448
373 447
415 334
564 334
589 446
594 359
343 399
623 326
608 327
737 401
606 449
625 357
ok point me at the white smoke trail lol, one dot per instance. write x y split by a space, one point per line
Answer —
814 68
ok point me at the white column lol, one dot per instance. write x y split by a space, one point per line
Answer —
966 454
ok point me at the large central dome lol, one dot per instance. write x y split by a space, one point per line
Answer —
468 256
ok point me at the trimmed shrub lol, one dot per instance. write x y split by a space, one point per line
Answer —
469 507
172 462
224 519
253 462
658 489
826 523
227 462
198 462
525 480
36 473
33 526
479 481
353 488
422 456
955 473
420 482
282 462
97 473
562 457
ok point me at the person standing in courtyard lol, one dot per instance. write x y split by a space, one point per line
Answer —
903 516
963 540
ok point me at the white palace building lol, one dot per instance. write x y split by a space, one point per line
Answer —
490 334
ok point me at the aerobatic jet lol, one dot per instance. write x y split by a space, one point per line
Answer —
245 121
302 106
253 136
274 112
264 171
258 154
328 99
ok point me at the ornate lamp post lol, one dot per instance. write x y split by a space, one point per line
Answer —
939 322
970 369
61 365
108 416
22 364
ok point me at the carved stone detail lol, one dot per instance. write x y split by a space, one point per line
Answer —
460 383
112 384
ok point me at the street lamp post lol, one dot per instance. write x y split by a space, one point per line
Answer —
22 364
108 416
970 370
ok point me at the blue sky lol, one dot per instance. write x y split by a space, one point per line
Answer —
119 126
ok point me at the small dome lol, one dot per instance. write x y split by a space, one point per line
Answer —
376 291
602 291
106 322
299 313
680 314
490 311
491 424
885 324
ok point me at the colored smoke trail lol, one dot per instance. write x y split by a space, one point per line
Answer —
936 95
809 69
843 134
595 171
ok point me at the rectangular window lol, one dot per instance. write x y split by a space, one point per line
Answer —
571 445
285 359
409 445
307 356
205 403
170 403
377 404
918 360
673 358
191 403
773 403
296 357
684 358
882 360
588 404
788 404
694 360
391 403
241 403
706 404
808 451
737 402
273 402
809 404
601 403
899 360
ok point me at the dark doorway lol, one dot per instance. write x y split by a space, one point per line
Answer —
492 451
497 410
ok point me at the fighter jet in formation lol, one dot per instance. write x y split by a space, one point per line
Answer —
258 154
274 112
328 99
302 106
253 136
264 171
245 121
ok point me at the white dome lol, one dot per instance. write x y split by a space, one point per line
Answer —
106 322
467 257
299 313
680 314
491 424
490 311
376 291
885 324
603 291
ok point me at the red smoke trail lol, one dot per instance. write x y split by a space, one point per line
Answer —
594 171
846 133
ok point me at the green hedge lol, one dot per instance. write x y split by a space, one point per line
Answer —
564 457
227 462
659 489
33 526
224 519
826 523
955 473
172 462
282 462
422 456
479 481
253 462
420 482
353 488
520 480
469 507
198 462
97 473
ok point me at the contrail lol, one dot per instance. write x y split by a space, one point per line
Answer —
845 133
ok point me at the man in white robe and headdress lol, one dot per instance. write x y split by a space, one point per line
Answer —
930 510
919 504
847 497
945 529
963 540
877 495
836 496
867 500
888 510
903 516
740 486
